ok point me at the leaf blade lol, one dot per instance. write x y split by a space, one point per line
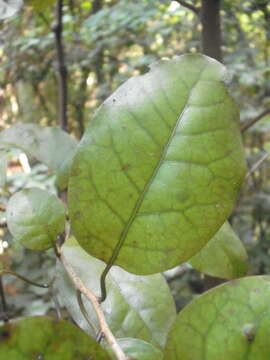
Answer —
135 173
230 321
47 334
139 349
223 256
35 218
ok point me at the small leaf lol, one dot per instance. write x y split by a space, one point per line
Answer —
139 349
51 146
159 167
223 256
8 8
136 306
35 218
44 338
231 321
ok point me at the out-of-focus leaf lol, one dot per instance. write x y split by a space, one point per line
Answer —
158 171
49 145
139 349
3 168
9 8
231 321
223 256
136 306
38 338
40 4
35 218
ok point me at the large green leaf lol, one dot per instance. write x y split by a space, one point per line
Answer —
51 146
35 218
230 322
44 338
158 169
139 349
223 256
136 306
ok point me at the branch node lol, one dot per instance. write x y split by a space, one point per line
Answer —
189 6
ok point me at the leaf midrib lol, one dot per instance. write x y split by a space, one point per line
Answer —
152 177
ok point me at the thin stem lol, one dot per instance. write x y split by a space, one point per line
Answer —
84 312
30 282
79 285
103 282
62 72
251 122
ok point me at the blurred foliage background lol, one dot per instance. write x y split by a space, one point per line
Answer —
106 42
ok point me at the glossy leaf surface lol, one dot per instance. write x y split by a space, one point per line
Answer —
44 338
35 218
136 306
49 145
158 170
223 256
231 321
139 350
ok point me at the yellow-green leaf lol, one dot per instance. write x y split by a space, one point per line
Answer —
35 218
44 338
229 322
223 256
159 167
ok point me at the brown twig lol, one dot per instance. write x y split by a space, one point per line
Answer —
62 72
251 122
105 330
189 6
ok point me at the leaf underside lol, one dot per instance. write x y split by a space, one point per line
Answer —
231 321
136 306
139 349
51 146
158 170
